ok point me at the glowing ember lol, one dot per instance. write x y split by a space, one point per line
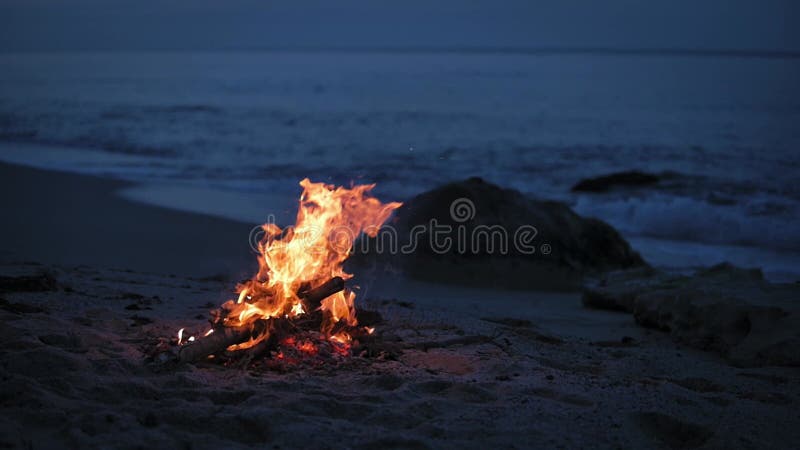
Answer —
312 252
342 338
305 346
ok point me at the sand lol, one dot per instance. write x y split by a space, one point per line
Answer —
74 349
75 373
57 217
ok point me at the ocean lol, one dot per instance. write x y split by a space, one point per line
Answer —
243 127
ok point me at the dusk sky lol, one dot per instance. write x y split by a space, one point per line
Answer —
205 24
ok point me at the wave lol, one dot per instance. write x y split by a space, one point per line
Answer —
752 222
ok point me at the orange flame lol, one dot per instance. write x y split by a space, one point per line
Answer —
329 219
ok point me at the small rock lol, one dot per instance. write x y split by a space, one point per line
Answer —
628 179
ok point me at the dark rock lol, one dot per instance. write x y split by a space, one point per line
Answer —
725 309
473 232
605 183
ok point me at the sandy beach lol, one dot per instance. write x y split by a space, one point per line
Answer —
55 217
92 282
399 225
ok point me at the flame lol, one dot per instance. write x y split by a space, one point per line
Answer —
182 341
341 343
342 338
329 219
297 309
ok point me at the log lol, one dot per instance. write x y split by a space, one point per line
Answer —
315 296
220 339
223 337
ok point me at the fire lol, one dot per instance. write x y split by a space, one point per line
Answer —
308 254
304 346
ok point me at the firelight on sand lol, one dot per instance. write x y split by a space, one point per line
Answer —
306 255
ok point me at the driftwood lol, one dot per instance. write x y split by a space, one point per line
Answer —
223 337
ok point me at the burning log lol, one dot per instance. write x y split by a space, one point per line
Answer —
220 339
315 296
223 337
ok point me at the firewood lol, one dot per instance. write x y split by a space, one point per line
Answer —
220 339
315 296
223 337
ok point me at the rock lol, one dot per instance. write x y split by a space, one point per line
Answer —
476 233
628 179
726 309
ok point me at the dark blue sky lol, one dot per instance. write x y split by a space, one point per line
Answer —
205 24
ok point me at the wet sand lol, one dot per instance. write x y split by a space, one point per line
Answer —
72 219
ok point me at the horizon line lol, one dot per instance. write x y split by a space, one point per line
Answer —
498 50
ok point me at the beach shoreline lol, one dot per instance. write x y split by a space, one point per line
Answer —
84 303
64 218
183 199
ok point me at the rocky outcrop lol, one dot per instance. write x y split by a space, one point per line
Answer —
726 309
628 179
476 233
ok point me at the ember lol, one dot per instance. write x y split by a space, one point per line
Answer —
299 286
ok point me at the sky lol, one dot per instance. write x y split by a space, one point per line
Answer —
43 25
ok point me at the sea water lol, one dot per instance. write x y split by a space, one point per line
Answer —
722 130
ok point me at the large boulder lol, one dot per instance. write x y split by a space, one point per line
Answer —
725 309
499 238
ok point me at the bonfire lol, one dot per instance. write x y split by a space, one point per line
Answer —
300 285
